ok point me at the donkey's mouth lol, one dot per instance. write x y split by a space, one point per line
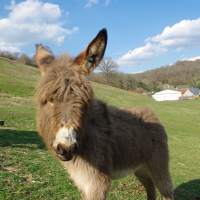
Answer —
64 157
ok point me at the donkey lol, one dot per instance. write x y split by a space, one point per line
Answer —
94 142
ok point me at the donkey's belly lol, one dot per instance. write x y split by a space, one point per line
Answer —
117 174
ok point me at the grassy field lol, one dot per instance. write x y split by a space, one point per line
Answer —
28 171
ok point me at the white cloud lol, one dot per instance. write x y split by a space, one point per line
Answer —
33 11
61 39
192 59
90 2
183 35
141 54
107 2
9 48
188 59
30 22
179 49
12 3
137 72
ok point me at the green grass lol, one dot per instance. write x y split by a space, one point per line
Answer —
17 79
28 171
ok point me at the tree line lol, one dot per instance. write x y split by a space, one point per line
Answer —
23 58
107 73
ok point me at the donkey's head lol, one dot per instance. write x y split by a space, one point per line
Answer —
64 96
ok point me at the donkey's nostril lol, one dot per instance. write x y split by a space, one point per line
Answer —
60 149
65 153
74 148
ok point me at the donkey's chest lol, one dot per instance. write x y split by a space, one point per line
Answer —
117 174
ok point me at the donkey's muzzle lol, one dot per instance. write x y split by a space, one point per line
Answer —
65 153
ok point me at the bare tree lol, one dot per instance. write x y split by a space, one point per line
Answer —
25 59
108 68
33 61
16 55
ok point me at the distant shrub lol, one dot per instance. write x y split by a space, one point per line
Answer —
139 90
9 55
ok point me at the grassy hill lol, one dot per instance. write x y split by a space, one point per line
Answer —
28 171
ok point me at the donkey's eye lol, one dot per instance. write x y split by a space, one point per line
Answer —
51 100
71 90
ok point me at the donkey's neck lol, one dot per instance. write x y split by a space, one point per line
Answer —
97 127
95 142
100 117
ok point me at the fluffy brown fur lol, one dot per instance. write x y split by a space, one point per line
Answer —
112 142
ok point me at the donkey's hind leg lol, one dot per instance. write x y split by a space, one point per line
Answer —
145 179
164 184
162 180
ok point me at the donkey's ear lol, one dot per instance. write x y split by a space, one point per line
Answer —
43 58
88 59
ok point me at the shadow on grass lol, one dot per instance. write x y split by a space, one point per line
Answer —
20 139
189 190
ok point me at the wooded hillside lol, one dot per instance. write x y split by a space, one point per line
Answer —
180 73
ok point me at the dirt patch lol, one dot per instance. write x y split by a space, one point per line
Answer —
8 169
23 99
6 100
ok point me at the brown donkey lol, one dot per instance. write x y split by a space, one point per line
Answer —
95 142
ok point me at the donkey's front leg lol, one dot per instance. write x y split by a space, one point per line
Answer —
97 188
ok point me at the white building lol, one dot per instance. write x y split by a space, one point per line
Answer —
167 95
188 93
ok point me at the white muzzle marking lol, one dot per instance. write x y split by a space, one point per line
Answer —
65 137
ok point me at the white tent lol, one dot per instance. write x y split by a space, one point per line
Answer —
167 95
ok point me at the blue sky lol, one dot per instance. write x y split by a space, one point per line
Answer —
142 34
